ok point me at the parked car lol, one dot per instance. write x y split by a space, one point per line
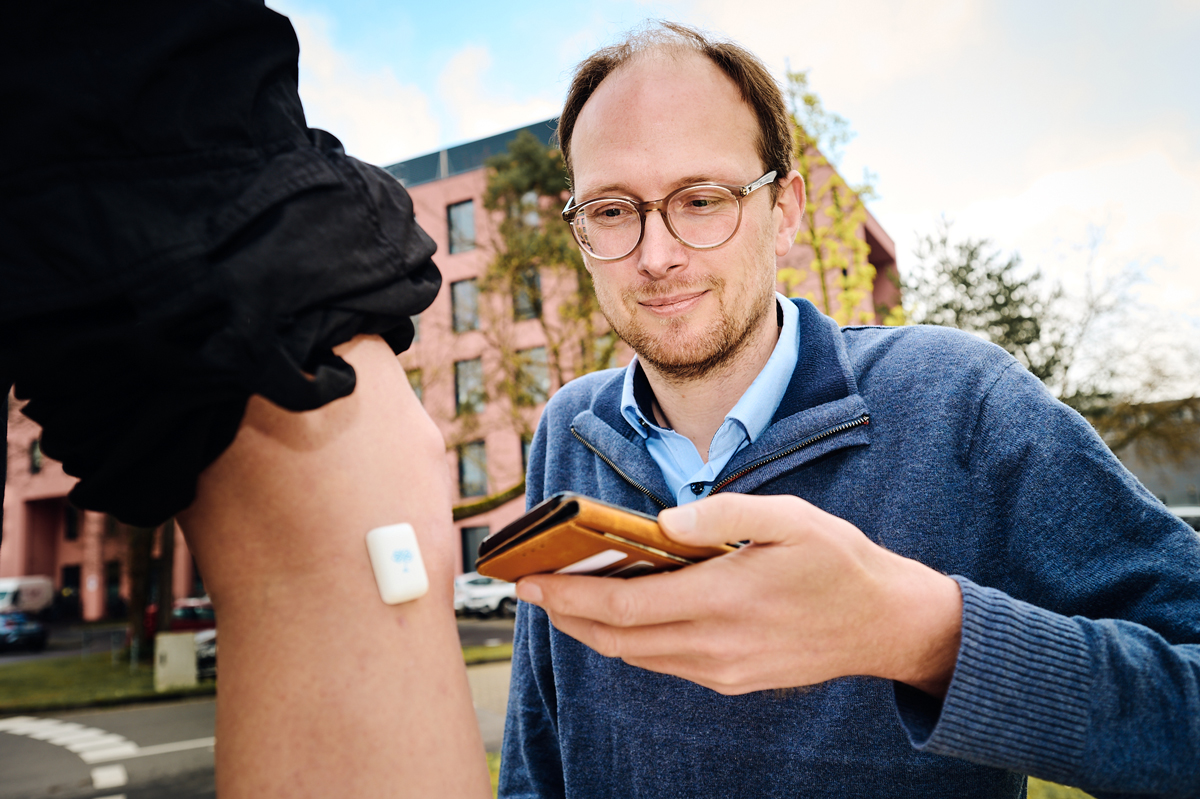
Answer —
206 655
1189 513
476 595
189 613
19 630
30 594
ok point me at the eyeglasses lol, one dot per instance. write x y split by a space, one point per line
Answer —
701 216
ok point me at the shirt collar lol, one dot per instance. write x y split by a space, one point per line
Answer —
755 408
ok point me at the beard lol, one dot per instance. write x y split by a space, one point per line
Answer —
671 346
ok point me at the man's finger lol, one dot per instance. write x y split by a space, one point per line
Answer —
674 639
725 518
648 600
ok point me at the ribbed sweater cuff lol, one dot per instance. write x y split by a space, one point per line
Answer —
1019 696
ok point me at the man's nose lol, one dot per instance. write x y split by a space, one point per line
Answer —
660 252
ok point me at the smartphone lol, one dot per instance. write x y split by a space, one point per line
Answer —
573 534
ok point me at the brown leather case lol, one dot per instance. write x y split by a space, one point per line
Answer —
575 534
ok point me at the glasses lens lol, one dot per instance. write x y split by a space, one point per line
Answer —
608 228
704 216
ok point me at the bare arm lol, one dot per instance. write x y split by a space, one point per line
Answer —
325 690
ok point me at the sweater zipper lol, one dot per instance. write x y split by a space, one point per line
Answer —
860 421
617 469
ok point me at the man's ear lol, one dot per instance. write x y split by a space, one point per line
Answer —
791 203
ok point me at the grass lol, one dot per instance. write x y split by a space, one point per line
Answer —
493 761
72 681
1049 790
486 654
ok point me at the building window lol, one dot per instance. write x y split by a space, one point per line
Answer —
526 443
469 393
472 537
472 470
35 456
460 218
533 378
464 305
414 380
527 294
70 522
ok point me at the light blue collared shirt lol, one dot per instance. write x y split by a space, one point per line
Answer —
686 473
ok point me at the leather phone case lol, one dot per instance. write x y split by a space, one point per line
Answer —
573 534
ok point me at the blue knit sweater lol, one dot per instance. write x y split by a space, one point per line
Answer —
1080 656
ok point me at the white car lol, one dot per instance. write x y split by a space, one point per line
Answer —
475 594
1189 513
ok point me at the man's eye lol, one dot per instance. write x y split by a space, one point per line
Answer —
702 203
611 214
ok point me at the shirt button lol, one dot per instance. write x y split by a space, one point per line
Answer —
697 488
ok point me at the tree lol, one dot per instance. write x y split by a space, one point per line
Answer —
1092 349
527 187
834 215
535 274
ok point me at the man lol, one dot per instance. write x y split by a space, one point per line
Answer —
201 299
866 465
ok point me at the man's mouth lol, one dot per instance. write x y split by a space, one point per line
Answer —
673 303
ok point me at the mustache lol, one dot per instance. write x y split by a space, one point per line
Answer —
661 288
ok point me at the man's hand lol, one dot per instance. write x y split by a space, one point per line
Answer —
810 600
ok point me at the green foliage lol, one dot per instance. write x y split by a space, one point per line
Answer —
969 286
73 681
1085 349
834 215
527 187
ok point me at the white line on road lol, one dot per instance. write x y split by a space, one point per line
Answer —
143 751
92 744
109 777
118 752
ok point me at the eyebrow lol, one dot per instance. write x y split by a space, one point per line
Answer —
620 190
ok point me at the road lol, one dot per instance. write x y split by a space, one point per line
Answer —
165 750
73 640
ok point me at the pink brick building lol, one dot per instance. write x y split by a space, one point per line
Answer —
454 366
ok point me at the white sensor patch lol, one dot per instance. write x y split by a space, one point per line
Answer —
396 560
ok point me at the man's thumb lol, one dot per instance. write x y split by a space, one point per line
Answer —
724 519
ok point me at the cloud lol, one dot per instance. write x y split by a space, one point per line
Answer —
478 103
855 49
378 118
1138 203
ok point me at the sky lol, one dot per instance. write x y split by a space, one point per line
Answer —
1067 132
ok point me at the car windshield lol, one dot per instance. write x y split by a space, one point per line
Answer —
4 596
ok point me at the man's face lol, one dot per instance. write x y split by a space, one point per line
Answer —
662 122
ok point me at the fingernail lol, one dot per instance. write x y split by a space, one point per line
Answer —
681 519
530 592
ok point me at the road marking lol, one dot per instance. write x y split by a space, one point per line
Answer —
157 749
109 777
102 741
92 744
118 752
